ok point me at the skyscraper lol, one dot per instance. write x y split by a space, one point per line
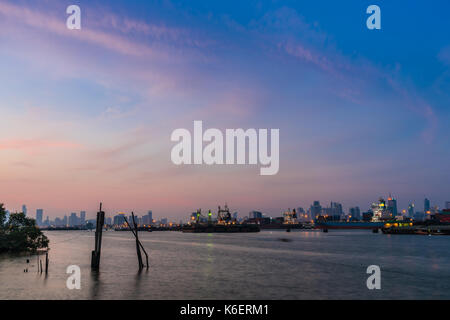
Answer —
411 210
119 219
336 209
82 217
392 206
150 217
355 213
39 216
73 219
316 209
426 205
24 209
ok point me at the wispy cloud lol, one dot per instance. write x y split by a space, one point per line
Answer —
117 43
33 144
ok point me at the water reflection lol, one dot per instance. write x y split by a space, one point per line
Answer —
313 265
94 285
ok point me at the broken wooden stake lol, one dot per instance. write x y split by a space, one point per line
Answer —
95 257
138 243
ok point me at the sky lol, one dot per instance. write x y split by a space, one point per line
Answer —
87 114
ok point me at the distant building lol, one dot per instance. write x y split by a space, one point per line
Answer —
316 209
336 209
73 220
39 216
119 219
355 213
255 214
58 222
392 206
24 209
82 217
147 219
411 210
447 205
426 206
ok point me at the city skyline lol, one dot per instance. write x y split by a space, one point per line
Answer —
88 113
426 205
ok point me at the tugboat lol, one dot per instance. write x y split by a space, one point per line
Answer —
224 224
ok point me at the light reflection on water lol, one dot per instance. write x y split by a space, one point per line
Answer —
313 265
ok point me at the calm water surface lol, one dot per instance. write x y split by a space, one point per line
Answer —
314 265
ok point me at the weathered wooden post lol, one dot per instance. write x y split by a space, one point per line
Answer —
138 243
95 258
46 262
138 249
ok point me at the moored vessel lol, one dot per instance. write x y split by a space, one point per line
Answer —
224 223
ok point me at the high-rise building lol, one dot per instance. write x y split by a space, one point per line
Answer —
119 219
39 216
392 206
411 210
73 219
82 217
24 209
447 205
336 209
426 205
255 215
355 213
316 209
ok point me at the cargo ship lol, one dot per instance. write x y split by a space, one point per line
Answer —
224 223
380 216
288 221
348 224
437 224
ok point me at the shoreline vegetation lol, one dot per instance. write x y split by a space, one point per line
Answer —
19 234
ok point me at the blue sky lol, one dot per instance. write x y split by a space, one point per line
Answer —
89 113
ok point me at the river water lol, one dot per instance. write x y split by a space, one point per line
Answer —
306 265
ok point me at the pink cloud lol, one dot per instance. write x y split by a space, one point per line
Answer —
48 23
36 144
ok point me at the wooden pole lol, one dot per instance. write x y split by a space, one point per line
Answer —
46 262
40 262
137 240
138 249
95 257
